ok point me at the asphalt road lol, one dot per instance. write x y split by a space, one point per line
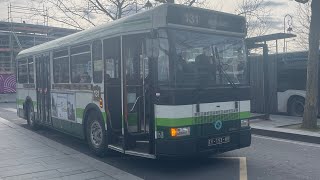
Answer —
267 158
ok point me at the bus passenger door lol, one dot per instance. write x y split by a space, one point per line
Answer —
112 56
135 70
43 89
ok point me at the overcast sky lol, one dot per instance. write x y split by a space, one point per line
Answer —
279 8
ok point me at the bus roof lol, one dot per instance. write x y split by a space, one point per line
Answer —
156 17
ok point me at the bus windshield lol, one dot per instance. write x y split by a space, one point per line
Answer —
189 59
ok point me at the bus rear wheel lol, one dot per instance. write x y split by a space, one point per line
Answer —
296 106
31 117
96 134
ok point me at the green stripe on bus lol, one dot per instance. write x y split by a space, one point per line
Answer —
244 115
132 119
79 113
104 115
20 101
175 122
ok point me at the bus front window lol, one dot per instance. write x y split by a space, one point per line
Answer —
206 59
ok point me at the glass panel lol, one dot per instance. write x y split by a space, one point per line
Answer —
207 59
31 70
163 60
81 68
61 66
22 71
61 70
97 61
132 49
80 49
112 57
112 68
60 53
144 67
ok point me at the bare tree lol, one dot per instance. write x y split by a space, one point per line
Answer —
311 101
70 13
303 19
257 15
184 2
82 14
115 9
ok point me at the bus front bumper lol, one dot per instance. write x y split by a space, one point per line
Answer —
198 146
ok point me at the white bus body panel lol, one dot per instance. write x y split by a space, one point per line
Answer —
283 98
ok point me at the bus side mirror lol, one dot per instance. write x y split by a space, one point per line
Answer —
152 48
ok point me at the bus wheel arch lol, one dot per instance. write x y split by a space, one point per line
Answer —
295 105
93 121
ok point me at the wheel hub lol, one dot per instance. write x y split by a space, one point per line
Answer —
96 134
299 108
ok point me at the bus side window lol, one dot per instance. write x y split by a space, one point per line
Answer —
112 58
132 49
30 70
81 64
22 71
97 61
61 66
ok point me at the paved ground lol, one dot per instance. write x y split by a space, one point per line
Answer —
267 158
28 155
285 127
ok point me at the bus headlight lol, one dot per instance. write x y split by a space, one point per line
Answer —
178 132
244 123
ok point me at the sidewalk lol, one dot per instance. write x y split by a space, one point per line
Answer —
27 155
280 126
8 98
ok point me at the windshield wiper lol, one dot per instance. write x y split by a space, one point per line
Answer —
215 55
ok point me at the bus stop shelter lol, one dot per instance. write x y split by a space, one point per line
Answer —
263 73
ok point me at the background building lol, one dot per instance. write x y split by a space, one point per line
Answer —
15 37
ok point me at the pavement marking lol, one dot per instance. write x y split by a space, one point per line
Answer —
242 166
287 141
10 109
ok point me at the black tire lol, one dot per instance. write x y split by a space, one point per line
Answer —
96 138
31 117
296 106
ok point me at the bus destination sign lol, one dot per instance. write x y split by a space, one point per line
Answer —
206 19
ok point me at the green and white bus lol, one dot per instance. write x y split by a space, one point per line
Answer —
170 81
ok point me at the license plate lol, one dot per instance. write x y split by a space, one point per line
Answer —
218 140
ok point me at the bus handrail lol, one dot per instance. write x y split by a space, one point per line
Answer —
134 105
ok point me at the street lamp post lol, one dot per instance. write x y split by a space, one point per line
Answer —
284 28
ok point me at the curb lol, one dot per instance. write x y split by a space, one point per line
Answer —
286 135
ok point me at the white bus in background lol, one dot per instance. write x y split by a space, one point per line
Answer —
292 77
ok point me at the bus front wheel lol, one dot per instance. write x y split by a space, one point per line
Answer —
296 106
96 134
